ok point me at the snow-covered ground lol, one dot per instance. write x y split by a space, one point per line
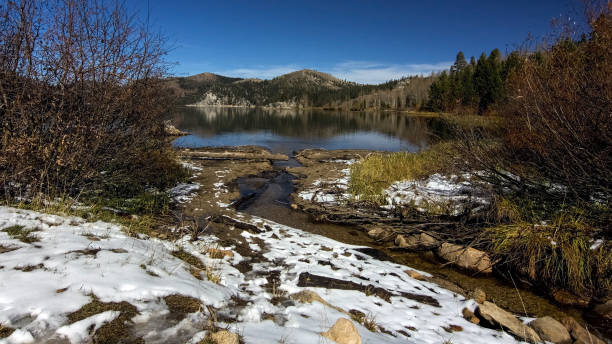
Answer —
68 260
449 192
436 193
331 192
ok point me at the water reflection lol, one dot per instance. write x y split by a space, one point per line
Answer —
288 130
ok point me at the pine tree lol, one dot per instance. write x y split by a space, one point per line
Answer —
460 63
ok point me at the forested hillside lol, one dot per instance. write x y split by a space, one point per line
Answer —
304 88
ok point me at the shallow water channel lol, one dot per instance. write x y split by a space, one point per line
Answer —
286 131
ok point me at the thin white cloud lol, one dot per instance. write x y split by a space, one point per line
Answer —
261 72
375 73
364 72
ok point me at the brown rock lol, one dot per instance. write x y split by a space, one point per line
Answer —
467 258
469 316
401 241
416 242
551 330
564 297
416 275
478 295
224 337
579 333
427 240
498 317
343 332
376 233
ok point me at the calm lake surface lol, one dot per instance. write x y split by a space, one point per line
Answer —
285 131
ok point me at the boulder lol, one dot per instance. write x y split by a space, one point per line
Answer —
478 295
224 337
376 233
419 242
466 257
470 316
579 333
401 241
604 309
498 317
343 332
551 330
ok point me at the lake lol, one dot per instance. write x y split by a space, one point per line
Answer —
285 131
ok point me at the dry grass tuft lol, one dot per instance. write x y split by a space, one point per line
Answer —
372 175
21 233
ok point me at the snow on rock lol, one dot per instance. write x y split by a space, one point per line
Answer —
450 192
184 192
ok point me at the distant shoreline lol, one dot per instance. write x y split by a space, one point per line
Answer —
410 112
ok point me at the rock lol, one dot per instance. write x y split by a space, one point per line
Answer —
376 233
416 275
401 241
470 316
467 258
216 253
224 337
427 240
604 309
416 242
343 332
498 317
564 297
551 330
478 295
309 296
579 333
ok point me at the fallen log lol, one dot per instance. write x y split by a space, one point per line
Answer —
307 279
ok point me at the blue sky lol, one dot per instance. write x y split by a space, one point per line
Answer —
362 41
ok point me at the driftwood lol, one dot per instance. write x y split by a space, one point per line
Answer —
226 220
315 281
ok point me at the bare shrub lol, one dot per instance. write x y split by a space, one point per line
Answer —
551 162
557 136
81 102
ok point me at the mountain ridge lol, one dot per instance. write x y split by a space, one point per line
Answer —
301 88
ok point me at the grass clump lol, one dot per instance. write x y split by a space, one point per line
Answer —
553 248
5 331
189 259
21 233
372 175
113 332
182 304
